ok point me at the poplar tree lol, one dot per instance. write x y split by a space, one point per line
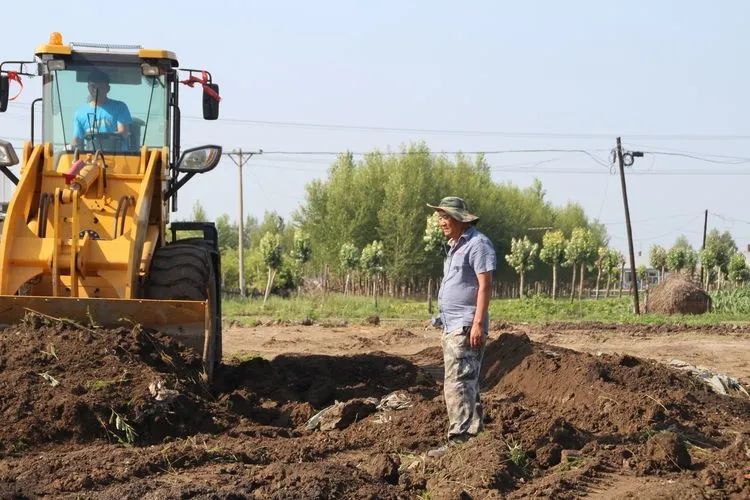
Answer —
371 262
270 249
349 261
658 259
577 252
434 245
521 258
553 253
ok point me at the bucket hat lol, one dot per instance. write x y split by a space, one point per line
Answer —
456 208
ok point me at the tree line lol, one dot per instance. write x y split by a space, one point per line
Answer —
366 225
381 198
720 261
366 229
581 253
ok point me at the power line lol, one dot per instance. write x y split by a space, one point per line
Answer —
467 132
641 221
709 158
531 163
318 167
727 218
654 173
318 161
430 153
694 153
706 158
513 168
548 135
680 229
534 169
521 167
294 169
586 152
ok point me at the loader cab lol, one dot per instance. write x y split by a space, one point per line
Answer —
140 110
118 115
111 131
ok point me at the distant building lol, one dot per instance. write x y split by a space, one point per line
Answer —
640 260
652 278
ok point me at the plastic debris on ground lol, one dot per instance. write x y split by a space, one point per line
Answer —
160 392
341 414
398 400
718 382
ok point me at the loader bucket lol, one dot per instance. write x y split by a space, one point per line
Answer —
187 321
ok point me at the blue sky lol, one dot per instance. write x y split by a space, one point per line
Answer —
669 77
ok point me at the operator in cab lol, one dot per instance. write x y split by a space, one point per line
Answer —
102 123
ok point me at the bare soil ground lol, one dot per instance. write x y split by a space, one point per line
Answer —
724 348
572 410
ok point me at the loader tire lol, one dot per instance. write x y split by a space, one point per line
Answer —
215 258
184 271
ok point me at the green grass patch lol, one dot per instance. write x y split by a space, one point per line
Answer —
245 356
571 463
99 385
731 306
319 308
541 309
611 310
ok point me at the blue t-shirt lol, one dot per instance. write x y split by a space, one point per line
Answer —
472 254
103 120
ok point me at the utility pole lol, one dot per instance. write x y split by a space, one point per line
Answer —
703 245
240 158
633 276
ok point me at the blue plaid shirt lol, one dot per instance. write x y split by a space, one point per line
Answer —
472 254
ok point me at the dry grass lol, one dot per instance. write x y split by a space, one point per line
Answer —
678 295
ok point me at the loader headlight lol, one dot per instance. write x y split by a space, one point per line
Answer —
55 65
8 156
150 70
199 160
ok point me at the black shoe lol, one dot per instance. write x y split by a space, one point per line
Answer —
452 441
459 438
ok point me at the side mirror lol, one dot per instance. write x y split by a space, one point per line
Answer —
210 103
199 160
8 156
4 92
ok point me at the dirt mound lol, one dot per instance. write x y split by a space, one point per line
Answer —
61 383
396 335
607 393
574 419
558 424
677 295
597 327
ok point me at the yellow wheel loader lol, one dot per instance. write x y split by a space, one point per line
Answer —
86 234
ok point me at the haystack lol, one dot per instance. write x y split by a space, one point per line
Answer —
678 294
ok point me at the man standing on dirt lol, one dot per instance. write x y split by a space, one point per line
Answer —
463 301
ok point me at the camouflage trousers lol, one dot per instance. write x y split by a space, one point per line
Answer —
461 384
